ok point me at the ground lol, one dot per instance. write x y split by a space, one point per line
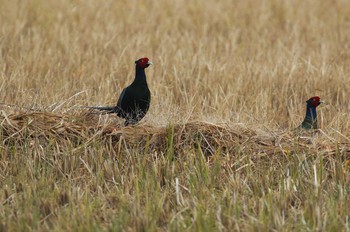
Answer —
216 151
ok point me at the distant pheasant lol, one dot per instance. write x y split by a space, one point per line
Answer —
310 120
134 101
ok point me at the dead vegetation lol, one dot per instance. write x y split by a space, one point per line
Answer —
86 127
215 152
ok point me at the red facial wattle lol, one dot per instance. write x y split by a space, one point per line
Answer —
143 62
316 101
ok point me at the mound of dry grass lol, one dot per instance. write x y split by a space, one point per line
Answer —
229 139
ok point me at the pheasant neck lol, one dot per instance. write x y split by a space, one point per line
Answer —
310 120
140 77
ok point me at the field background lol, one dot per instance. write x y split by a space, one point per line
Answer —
227 64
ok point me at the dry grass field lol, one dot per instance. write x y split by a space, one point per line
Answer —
214 153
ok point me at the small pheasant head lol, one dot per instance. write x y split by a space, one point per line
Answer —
143 62
314 101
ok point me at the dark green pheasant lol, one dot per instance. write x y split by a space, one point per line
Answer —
310 120
134 101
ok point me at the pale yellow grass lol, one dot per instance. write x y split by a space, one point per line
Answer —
250 64
229 61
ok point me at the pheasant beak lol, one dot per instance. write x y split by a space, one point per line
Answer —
322 101
149 63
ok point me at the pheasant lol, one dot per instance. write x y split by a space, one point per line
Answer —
134 101
310 120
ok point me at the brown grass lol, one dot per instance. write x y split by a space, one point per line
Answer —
89 126
215 151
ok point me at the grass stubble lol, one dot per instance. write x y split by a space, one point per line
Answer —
214 152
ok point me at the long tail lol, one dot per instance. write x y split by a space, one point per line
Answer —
106 109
